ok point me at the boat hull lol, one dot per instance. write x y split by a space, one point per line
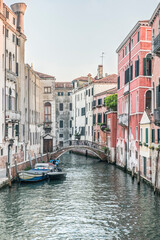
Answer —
32 176
56 175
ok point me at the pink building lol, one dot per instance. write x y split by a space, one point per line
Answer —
134 92
103 120
150 123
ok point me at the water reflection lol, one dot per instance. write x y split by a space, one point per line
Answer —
96 201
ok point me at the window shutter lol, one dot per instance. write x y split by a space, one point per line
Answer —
158 135
157 96
153 135
144 66
135 68
146 135
131 69
17 69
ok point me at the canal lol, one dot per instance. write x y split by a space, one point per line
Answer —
96 201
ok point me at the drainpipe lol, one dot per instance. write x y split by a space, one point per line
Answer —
126 163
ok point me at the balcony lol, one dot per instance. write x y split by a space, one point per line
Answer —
47 125
156 45
123 120
126 89
12 116
157 116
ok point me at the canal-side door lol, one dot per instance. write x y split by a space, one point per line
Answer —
47 145
144 166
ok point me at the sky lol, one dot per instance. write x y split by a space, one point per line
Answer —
65 38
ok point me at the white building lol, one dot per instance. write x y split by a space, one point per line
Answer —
84 89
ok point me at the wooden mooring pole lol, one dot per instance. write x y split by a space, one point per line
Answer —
156 173
8 174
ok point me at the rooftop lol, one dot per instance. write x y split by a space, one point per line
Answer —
44 76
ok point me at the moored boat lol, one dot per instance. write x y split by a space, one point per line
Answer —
39 173
56 175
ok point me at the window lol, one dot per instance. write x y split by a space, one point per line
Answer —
14 21
123 53
158 96
158 135
47 89
137 68
82 111
61 143
92 91
7 33
17 69
136 153
127 76
138 36
98 137
13 38
7 14
70 106
146 135
147 65
153 135
18 41
47 112
100 102
17 130
61 107
104 118
70 123
89 92
99 117
61 123
6 130
132 43
86 121
118 82
60 93
94 119
125 50
83 131
61 135
148 99
69 93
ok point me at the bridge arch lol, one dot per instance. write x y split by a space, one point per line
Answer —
97 149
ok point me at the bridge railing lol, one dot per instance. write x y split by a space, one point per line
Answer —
70 143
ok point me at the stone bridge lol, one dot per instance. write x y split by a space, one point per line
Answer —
98 150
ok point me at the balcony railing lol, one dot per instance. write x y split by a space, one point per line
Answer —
13 116
156 45
123 120
157 116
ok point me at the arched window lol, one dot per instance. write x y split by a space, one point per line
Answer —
10 61
147 65
47 112
148 100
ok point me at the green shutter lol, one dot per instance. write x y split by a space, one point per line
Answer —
146 135
135 68
153 135
158 135
157 96
144 66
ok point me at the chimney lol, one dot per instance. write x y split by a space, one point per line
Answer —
100 71
19 10
89 78
1 6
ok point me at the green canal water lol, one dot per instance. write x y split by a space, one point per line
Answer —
96 201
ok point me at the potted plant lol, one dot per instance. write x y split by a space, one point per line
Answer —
145 144
140 144
158 148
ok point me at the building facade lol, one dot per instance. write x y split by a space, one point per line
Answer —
63 93
134 92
